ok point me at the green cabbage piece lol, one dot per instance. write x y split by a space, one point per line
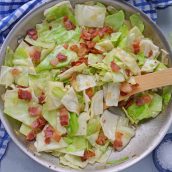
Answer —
54 94
45 64
21 58
59 10
11 102
91 16
39 43
141 59
93 125
6 77
166 95
70 101
9 57
25 130
60 35
41 146
137 21
73 124
76 143
138 113
115 20
115 37
94 58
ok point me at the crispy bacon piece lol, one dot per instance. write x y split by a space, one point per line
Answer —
128 72
56 136
89 92
54 62
83 50
96 51
34 111
24 94
61 57
80 61
89 34
32 33
74 48
15 72
31 136
41 98
114 67
85 35
90 44
87 155
66 46
39 123
118 140
35 55
145 99
150 53
136 47
50 133
101 140
126 87
64 117
68 24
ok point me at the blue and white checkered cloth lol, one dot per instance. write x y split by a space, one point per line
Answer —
13 10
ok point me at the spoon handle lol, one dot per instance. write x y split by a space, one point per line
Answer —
151 81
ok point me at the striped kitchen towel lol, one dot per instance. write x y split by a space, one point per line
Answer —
13 10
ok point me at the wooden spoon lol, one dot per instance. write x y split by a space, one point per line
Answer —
150 81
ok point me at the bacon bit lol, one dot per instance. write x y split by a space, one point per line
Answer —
54 62
68 24
136 47
118 140
85 35
64 117
32 33
150 53
34 111
61 57
74 48
96 51
35 55
126 87
82 51
145 99
50 133
39 123
89 92
117 144
91 33
24 94
56 136
66 46
90 44
31 136
41 98
87 155
128 72
101 140
80 61
15 72
114 67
